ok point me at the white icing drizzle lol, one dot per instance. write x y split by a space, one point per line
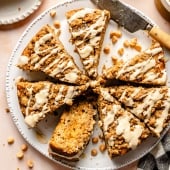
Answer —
153 51
43 59
80 14
41 101
146 106
110 116
42 41
23 60
123 128
106 95
137 69
71 77
59 95
160 121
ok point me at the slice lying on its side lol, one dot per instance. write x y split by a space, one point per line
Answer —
73 131
41 98
46 53
122 130
151 105
148 67
87 27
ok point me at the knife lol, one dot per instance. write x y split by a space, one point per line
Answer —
132 20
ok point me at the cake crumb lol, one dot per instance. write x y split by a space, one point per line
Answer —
24 147
52 13
106 50
20 155
117 34
56 24
10 140
102 147
95 140
121 51
30 164
93 152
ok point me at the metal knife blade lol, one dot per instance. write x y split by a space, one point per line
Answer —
123 15
132 20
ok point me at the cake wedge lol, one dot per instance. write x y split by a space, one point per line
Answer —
150 105
122 130
46 53
87 27
38 99
73 131
147 67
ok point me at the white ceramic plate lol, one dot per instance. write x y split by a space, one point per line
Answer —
45 128
12 11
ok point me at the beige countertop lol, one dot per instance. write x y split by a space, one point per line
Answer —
9 36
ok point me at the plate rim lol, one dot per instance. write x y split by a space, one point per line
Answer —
13 115
25 14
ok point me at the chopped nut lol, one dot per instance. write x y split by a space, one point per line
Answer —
114 59
133 42
24 147
102 147
117 34
20 155
56 24
138 47
106 50
95 140
10 140
93 152
52 13
101 136
114 39
126 44
121 51
30 164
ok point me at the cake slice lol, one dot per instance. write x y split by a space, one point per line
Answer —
38 99
122 131
147 67
87 27
73 131
46 53
151 105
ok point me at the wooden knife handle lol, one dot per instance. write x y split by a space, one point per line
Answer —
162 37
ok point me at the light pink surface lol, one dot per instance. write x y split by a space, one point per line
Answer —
9 36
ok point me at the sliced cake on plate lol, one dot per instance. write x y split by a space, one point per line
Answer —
73 131
87 27
37 99
122 130
46 53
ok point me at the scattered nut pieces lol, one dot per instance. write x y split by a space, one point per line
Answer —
30 164
102 147
117 34
106 50
24 147
126 44
138 47
10 140
93 152
52 13
114 39
56 24
20 155
7 110
95 140
121 51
